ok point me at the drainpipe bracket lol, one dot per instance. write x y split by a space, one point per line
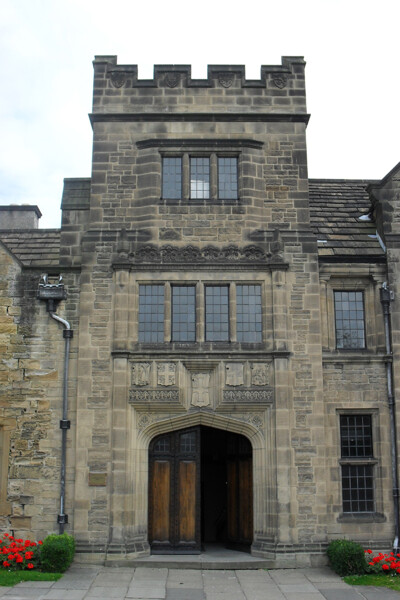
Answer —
65 424
68 333
62 519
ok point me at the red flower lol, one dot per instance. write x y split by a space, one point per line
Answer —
385 567
6 563
30 566
368 551
19 559
28 555
40 542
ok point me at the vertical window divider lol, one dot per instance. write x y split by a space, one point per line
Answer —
200 312
213 176
232 312
167 312
185 177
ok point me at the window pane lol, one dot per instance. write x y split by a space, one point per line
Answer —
349 320
151 313
248 313
356 436
357 488
200 177
172 178
227 178
184 313
217 313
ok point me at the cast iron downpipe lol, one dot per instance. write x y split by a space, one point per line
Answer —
53 293
386 298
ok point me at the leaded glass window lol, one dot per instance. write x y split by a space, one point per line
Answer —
199 177
357 479
172 178
217 313
184 313
357 488
248 313
356 436
227 178
349 319
151 313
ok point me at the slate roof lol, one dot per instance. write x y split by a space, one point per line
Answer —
335 205
33 247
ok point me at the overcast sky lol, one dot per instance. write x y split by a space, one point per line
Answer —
352 50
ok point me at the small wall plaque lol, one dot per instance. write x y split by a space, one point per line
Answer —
99 479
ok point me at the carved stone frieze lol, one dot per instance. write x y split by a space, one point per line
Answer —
192 255
200 389
247 396
234 373
141 373
166 373
254 419
260 373
147 419
151 396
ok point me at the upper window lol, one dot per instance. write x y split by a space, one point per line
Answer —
222 323
357 478
217 313
172 177
202 177
151 313
349 319
227 178
184 313
248 313
199 177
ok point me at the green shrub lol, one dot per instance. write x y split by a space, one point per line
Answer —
57 553
346 557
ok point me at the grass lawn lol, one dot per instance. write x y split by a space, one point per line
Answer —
12 577
393 583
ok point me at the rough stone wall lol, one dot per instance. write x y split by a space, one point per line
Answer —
31 371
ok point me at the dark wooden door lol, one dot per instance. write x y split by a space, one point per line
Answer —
239 492
174 492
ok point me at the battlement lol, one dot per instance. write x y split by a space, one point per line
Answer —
280 89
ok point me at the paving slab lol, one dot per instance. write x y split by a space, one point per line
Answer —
377 593
343 594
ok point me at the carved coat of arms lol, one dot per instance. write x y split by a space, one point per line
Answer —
260 373
118 78
141 373
200 392
166 374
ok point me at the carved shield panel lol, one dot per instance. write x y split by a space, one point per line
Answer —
141 373
234 373
166 374
200 391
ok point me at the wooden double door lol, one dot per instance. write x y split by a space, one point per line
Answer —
200 490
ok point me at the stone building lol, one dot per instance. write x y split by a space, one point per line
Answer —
230 364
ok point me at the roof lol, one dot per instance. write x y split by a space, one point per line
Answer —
34 247
335 205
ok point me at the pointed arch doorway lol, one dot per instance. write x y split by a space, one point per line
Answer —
200 490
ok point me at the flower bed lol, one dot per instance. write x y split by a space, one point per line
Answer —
386 563
18 554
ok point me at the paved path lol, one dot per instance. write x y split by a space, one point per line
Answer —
106 583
